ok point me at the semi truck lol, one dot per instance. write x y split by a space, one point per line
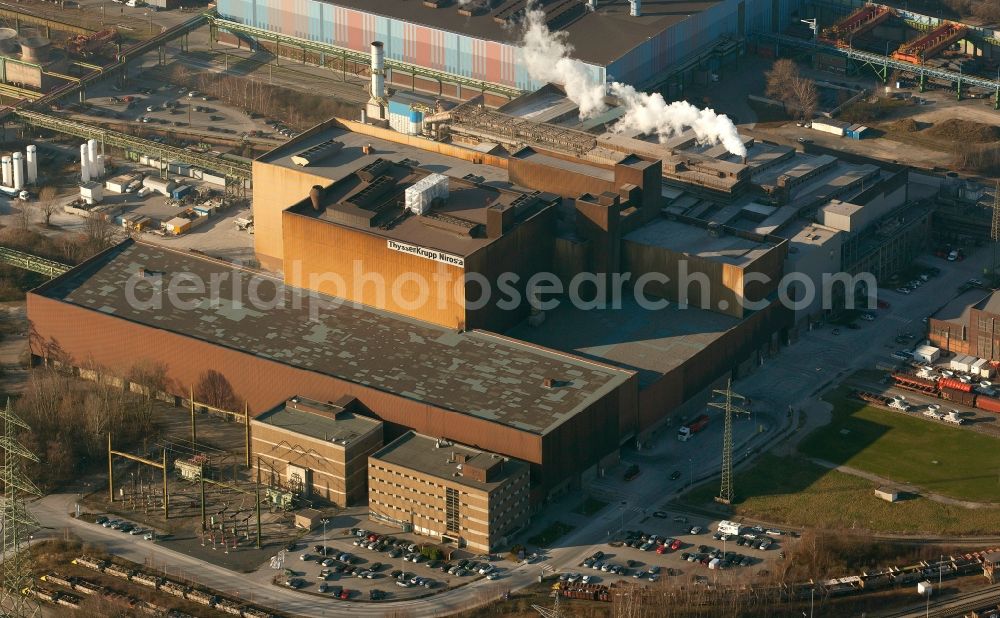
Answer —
685 432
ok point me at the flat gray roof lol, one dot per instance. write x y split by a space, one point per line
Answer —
351 158
333 424
466 206
476 373
697 241
420 453
651 342
597 37
991 304
957 309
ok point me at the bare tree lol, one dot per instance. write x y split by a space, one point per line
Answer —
214 389
797 93
47 203
22 216
99 232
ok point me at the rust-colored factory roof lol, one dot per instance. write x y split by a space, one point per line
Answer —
474 373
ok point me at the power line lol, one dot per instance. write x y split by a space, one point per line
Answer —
17 522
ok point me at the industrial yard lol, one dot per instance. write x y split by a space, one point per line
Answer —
278 267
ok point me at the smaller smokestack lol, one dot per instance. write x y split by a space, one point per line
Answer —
378 71
635 8
314 194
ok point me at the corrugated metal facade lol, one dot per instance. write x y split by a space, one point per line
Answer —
490 61
448 52
675 44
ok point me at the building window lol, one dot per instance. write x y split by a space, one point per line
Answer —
451 509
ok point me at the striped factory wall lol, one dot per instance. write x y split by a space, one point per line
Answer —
494 62
448 52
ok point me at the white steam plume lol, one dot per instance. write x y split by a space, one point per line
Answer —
650 113
546 56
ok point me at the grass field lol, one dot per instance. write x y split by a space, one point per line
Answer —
796 491
938 458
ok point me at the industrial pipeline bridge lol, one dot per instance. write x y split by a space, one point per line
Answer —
881 64
231 169
31 262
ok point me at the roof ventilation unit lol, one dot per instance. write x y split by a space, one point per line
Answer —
315 154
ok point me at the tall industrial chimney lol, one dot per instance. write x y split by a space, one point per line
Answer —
635 8
17 162
32 160
377 104
84 164
8 177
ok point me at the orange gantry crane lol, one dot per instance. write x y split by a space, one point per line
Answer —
858 22
928 45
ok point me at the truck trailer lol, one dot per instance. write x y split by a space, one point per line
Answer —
684 433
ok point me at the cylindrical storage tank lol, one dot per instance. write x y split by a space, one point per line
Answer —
635 8
990 404
84 164
378 70
158 185
92 156
955 385
100 165
17 162
32 163
416 121
8 177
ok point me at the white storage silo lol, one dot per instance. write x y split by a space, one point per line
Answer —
8 178
17 163
32 164
92 157
84 165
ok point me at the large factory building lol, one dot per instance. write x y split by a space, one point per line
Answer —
557 412
621 40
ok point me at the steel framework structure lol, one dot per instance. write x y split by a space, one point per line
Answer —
108 137
726 491
15 599
363 58
521 130
33 263
881 63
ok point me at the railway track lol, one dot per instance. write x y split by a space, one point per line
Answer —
953 606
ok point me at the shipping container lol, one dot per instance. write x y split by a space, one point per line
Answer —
180 191
834 127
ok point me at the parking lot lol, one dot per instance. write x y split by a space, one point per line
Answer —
683 548
360 564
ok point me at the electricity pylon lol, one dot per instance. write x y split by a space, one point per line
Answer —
17 522
553 612
995 229
729 408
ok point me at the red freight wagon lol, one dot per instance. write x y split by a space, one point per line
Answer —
962 397
990 404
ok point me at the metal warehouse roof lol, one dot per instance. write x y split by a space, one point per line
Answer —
475 373
599 37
